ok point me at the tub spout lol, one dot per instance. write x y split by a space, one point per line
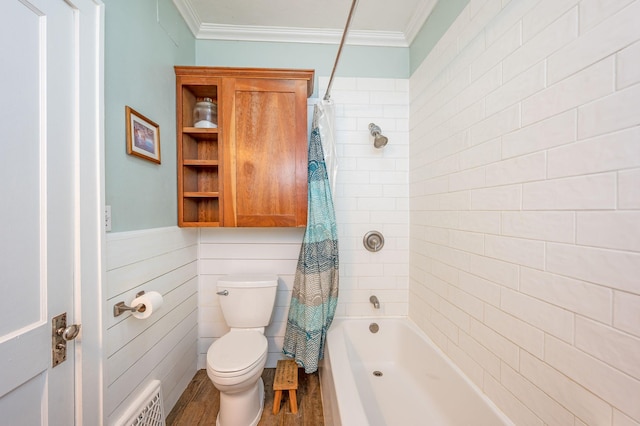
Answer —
375 301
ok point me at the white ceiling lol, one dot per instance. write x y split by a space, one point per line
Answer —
375 22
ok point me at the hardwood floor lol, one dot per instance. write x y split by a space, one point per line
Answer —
200 402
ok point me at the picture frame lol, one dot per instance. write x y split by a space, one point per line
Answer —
143 136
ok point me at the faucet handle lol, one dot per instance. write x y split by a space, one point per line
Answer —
374 300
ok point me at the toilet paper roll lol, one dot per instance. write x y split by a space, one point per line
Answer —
152 301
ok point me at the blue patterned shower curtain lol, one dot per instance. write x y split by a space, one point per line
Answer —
315 288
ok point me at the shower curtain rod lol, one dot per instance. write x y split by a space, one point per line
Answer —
327 94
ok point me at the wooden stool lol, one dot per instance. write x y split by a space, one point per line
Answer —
286 379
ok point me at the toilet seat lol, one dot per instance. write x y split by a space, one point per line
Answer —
236 352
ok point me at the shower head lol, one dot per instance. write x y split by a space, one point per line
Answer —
379 140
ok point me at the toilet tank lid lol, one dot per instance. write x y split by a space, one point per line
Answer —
249 280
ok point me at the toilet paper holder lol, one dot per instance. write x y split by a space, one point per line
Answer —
120 308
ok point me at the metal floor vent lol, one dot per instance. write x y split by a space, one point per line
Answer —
146 410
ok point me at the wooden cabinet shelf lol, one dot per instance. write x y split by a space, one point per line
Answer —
201 194
203 163
200 131
200 211
251 170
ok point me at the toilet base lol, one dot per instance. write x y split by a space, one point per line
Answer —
238 408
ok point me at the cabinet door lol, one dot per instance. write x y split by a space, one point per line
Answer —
266 146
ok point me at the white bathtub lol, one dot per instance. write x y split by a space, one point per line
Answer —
418 385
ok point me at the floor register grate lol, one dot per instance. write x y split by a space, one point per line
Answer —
146 410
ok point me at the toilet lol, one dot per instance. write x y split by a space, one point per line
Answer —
236 360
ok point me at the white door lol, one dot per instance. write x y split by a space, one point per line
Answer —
41 218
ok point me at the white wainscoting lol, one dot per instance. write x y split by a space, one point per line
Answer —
162 346
246 250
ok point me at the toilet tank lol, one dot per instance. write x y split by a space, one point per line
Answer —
249 299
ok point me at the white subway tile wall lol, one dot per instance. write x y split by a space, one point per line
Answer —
372 193
524 192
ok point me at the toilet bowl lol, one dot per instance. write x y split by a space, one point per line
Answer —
234 364
235 361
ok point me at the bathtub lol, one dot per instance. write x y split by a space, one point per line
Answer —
396 376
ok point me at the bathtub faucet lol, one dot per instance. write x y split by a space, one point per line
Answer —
375 301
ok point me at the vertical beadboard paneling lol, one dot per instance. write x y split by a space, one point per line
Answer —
164 345
544 252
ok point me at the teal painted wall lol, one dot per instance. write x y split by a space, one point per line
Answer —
143 40
441 18
355 61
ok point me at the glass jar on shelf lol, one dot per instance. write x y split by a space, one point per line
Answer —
205 114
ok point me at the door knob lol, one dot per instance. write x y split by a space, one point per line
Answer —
69 333
61 334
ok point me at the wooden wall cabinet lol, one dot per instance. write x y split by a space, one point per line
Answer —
252 169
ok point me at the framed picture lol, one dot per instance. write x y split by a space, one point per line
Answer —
143 136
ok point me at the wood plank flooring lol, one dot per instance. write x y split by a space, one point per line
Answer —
200 402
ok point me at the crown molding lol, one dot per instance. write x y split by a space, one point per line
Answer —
299 35
189 14
206 31
418 19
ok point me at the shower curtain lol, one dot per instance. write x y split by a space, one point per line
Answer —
315 288
324 119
